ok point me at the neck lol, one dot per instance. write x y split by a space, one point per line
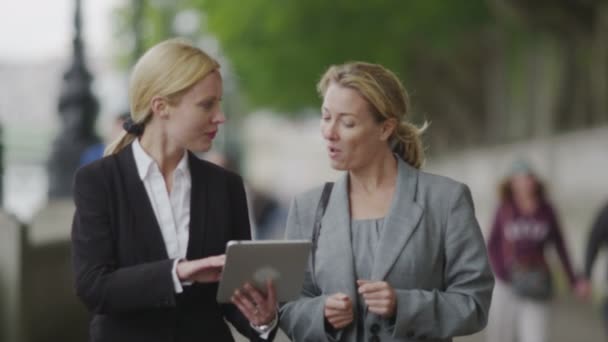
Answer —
381 172
156 144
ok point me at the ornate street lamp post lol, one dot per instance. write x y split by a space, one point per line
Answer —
78 109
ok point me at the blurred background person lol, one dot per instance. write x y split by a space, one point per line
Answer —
266 212
525 225
598 238
96 151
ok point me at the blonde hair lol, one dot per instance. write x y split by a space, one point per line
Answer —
168 69
388 99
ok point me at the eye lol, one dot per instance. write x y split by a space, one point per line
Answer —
348 123
326 118
208 104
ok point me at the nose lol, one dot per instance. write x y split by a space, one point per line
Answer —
328 130
219 118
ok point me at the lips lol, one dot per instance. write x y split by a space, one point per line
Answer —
333 152
212 135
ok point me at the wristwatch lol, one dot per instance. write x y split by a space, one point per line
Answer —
264 328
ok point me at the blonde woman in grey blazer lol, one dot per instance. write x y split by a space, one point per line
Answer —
399 256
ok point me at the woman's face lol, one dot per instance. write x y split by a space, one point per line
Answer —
523 184
195 119
352 135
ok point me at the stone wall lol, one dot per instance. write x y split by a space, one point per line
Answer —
286 157
10 278
37 299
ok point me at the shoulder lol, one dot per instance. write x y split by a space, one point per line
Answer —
301 214
307 201
442 197
440 187
92 182
95 172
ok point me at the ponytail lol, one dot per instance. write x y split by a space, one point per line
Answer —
407 143
120 143
132 130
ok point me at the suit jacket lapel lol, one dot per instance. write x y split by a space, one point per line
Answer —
400 223
198 207
143 219
336 228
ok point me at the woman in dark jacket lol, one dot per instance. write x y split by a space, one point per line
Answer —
152 220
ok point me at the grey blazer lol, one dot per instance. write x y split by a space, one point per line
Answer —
431 251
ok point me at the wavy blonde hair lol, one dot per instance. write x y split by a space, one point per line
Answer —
168 69
388 99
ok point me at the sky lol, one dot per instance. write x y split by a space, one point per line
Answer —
38 30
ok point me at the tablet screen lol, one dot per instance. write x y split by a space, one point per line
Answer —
282 261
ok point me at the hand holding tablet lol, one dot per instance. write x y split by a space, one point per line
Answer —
260 309
256 262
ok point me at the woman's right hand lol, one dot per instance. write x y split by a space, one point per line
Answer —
338 310
204 270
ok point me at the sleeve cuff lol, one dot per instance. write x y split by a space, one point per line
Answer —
265 330
177 285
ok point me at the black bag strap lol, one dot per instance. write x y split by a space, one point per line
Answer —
318 217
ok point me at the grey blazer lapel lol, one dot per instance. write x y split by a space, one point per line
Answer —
336 228
400 222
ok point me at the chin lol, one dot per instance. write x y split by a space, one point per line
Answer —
337 166
201 148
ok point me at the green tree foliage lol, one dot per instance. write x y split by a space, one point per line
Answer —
482 71
281 47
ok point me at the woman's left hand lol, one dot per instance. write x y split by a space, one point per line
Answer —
379 297
258 308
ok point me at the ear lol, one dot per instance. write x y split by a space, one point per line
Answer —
160 106
388 126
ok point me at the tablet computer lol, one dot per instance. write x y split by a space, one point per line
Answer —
283 261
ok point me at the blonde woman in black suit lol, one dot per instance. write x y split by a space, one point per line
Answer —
152 220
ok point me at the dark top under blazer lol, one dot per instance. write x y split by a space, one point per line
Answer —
122 270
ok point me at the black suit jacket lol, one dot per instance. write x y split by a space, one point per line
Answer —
122 271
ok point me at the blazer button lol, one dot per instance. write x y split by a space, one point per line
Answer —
375 328
409 334
374 338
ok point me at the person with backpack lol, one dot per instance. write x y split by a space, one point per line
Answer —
525 225
598 238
